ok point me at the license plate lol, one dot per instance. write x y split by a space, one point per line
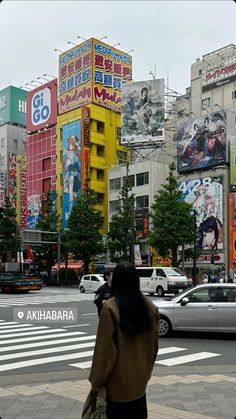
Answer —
180 290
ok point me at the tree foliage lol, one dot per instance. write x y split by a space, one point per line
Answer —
119 238
83 236
172 218
47 221
9 232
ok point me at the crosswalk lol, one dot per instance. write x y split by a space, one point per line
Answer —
44 296
28 345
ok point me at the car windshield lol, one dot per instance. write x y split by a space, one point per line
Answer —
174 272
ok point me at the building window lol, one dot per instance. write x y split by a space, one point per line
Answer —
114 206
100 174
206 103
200 72
118 133
15 144
121 156
115 184
100 127
46 164
100 150
130 180
142 179
234 94
100 198
2 142
142 201
46 184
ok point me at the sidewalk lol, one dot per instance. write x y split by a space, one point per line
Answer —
191 396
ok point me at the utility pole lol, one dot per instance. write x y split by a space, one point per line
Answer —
194 247
58 257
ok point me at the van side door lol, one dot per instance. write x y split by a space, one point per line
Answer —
161 279
146 280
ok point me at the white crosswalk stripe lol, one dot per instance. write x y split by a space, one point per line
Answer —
52 297
27 345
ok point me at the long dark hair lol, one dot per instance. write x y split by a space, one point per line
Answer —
134 316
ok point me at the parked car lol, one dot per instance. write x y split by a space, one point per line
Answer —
91 282
206 308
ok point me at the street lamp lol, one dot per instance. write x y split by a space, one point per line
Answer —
58 50
30 84
103 37
131 50
46 74
72 43
116 44
43 78
36 81
81 37
194 246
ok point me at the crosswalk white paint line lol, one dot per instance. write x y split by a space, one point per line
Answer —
7 323
170 350
12 326
42 361
187 358
23 328
47 351
90 314
36 332
76 325
51 343
41 337
82 365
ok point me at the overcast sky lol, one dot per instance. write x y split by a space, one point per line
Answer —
167 34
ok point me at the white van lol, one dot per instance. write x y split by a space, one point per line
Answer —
160 280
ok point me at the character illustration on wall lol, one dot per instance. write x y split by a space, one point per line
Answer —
71 168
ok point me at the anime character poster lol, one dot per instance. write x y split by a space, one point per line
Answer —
206 197
34 209
201 142
71 171
142 111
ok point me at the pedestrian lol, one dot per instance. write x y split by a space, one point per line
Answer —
126 346
103 292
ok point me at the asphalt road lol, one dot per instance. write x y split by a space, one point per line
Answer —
29 349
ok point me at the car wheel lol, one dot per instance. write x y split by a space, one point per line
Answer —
165 327
160 291
81 289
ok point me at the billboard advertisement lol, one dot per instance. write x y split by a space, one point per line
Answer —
2 187
142 112
85 145
13 106
219 74
42 106
110 67
21 191
12 179
233 163
71 170
201 142
75 68
206 197
34 209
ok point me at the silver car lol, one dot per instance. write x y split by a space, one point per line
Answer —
208 307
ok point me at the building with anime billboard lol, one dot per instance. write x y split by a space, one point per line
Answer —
143 112
41 147
89 121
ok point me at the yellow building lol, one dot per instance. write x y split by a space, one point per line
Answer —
88 123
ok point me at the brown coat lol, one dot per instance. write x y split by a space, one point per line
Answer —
123 362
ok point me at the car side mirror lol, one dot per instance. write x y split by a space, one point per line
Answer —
184 301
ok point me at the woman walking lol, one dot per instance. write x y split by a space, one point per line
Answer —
126 346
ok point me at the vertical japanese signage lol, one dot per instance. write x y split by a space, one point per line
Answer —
2 187
206 196
71 171
75 88
21 196
85 145
12 179
110 67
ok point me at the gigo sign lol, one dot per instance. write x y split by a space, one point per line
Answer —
41 106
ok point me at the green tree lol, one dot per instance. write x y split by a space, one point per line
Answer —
47 221
119 238
9 232
83 236
172 219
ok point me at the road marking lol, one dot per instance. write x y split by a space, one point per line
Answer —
23 328
170 349
47 351
52 342
82 365
89 314
187 358
76 325
7 323
12 326
57 335
47 360
37 332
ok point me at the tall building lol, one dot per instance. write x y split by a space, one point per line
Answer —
88 123
13 150
206 144
41 147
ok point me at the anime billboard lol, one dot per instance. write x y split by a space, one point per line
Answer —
142 112
71 170
34 209
201 142
206 197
